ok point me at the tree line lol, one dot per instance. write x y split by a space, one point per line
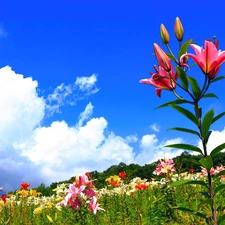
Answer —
183 163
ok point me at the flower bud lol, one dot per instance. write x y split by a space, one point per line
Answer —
164 34
163 59
178 29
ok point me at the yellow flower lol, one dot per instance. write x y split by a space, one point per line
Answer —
38 211
34 193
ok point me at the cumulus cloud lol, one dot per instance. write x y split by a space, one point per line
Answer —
63 151
21 111
152 149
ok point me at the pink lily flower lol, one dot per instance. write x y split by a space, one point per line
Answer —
209 58
162 80
94 205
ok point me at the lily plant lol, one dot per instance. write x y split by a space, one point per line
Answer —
171 75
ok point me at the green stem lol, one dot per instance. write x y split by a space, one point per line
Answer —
169 49
210 184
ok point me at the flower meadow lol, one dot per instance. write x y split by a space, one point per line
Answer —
121 201
173 197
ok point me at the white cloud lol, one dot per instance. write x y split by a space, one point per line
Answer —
21 108
131 138
152 149
85 114
86 83
155 127
69 94
21 111
63 151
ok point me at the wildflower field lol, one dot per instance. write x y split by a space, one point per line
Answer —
121 201
174 197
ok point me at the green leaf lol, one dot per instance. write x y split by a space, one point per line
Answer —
221 220
186 113
209 95
184 48
208 201
192 161
218 117
206 123
183 77
191 211
207 138
171 57
219 148
219 188
207 162
185 130
217 78
186 147
195 87
185 182
176 102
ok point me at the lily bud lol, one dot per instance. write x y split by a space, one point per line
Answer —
162 58
164 34
178 29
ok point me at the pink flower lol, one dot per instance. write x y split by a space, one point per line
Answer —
89 193
83 180
165 166
209 58
94 205
72 195
162 80
219 169
76 204
212 171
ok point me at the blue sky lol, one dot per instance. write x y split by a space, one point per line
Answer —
69 85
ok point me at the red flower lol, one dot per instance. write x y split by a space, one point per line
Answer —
141 186
24 186
192 170
115 183
88 175
122 174
3 197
